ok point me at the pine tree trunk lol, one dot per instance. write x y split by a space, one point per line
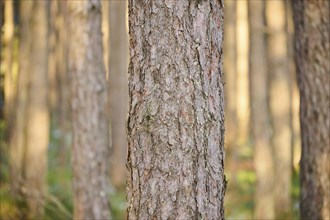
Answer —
312 46
9 83
280 104
176 113
118 90
264 202
28 152
64 119
58 78
37 126
17 143
89 120
230 65
242 96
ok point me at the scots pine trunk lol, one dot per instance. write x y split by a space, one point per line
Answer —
37 114
118 90
312 46
89 120
176 110
230 69
280 104
28 151
9 82
263 162
242 79
58 77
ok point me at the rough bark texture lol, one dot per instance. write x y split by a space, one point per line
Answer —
312 46
280 104
89 121
176 110
263 159
118 90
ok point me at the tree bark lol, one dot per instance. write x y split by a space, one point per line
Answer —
264 202
176 110
118 90
312 46
280 104
89 119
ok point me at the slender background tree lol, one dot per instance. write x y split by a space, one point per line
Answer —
118 90
312 46
28 151
90 155
279 82
263 160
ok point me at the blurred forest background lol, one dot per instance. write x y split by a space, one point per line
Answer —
262 106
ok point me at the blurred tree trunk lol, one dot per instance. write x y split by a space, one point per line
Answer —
118 90
9 84
105 34
58 77
17 144
28 152
230 72
89 119
242 96
64 119
280 104
312 43
176 113
37 126
264 202
295 99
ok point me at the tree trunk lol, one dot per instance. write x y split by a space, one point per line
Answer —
118 90
28 152
17 144
9 83
89 119
264 202
64 119
176 110
37 126
280 104
230 64
242 96
58 78
295 99
312 46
